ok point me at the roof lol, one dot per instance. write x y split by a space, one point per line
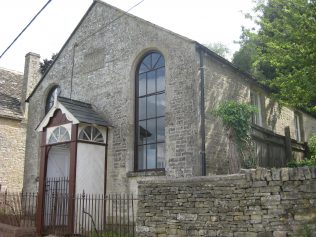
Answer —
10 93
75 111
82 111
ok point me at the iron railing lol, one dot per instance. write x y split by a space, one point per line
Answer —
92 215
18 209
95 215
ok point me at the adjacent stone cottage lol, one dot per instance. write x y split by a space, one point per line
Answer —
154 89
14 88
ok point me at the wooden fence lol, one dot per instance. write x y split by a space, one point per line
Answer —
274 150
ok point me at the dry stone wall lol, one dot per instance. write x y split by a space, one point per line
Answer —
257 203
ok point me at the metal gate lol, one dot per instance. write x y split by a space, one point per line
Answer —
56 205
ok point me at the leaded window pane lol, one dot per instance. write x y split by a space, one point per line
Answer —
161 150
142 108
151 128
161 105
142 132
141 158
54 92
142 84
151 156
161 79
161 129
151 82
151 106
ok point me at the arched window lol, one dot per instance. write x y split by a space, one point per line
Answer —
53 93
150 113
91 134
60 134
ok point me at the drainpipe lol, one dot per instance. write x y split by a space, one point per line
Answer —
202 111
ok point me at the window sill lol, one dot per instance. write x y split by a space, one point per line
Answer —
161 172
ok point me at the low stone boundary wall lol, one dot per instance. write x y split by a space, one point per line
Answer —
257 203
13 231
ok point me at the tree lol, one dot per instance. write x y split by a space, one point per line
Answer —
219 48
46 63
282 52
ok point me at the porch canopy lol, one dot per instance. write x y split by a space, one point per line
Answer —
73 148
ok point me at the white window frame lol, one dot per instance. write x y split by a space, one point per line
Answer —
256 101
298 129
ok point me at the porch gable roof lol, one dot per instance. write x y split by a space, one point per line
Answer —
75 111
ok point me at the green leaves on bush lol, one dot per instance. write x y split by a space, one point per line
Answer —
236 116
306 162
309 161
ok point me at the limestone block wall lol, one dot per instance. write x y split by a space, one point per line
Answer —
223 83
12 148
100 69
276 203
310 126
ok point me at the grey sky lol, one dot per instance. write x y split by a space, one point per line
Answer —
202 20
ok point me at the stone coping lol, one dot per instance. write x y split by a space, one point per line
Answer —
259 174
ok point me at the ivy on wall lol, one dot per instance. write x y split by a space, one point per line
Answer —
236 118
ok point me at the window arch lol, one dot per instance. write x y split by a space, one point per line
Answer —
59 134
150 113
53 93
91 134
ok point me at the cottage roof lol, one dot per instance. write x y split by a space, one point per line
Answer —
10 93
75 111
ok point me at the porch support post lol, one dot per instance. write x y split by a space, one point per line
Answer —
72 178
41 187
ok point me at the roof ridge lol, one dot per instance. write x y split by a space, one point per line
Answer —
11 70
78 102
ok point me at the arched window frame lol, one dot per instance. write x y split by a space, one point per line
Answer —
91 134
52 94
150 155
60 134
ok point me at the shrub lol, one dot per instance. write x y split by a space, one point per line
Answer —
306 162
312 145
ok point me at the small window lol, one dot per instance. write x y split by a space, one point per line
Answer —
298 128
256 101
60 134
91 134
53 93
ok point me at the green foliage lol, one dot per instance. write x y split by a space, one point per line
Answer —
311 162
46 63
312 146
282 51
236 116
219 48
308 161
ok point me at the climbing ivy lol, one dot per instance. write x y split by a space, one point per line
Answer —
236 118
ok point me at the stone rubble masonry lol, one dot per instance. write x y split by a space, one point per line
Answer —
255 203
12 149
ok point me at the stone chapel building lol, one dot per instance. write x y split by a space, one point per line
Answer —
127 100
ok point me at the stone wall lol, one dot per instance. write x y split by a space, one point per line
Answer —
12 148
103 75
223 83
258 203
